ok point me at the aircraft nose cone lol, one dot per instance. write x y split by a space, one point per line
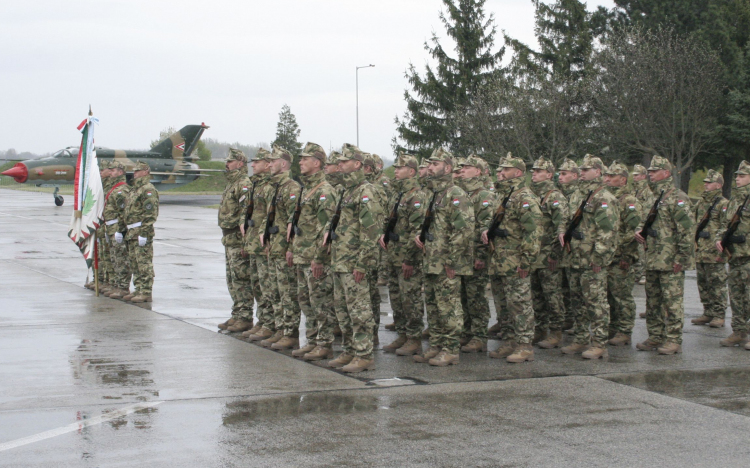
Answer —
19 172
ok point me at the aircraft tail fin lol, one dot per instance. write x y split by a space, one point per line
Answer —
180 145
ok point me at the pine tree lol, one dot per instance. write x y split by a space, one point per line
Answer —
448 85
287 132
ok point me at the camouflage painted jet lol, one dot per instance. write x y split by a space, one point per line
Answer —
170 163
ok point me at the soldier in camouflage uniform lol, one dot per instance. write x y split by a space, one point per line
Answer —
591 250
670 250
423 173
372 175
283 278
546 275
501 190
114 217
141 212
710 265
104 270
620 273
447 250
515 244
474 287
568 183
405 259
739 262
645 197
333 176
311 258
232 214
354 252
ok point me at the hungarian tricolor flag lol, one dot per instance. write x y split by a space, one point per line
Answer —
88 193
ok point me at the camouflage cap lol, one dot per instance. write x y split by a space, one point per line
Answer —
424 163
510 161
406 160
313 150
616 169
658 163
141 166
261 155
440 154
333 158
483 165
349 152
473 161
544 164
104 164
277 152
744 168
457 167
713 176
639 170
591 162
236 155
378 160
569 165
116 165
369 160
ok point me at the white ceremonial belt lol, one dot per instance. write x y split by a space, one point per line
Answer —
134 225
114 221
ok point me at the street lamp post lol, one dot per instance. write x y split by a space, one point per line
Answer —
356 73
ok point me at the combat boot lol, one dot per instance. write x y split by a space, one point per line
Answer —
90 285
539 335
464 340
119 294
287 342
343 359
735 339
523 353
240 326
747 346
595 352
390 326
256 328
702 320
648 345
309 347
269 341
620 339
505 350
411 347
554 340
129 297
669 348
143 298
262 334
318 354
444 359
717 323
427 355
426 334
227 324
337 331
568 325
359 364
642 315
399 342
474 346
494 329
574 348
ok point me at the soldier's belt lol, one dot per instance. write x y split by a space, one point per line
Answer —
227 232
114 221
135 225
737 239
703 235
652 232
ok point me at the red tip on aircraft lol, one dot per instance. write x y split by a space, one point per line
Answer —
19 172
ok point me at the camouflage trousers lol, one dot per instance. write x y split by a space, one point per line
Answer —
372 280
316 302
475 306
620 298
664 310
142 263
354 313
570 303
592 317
284 290
444 314
547 298
406 301
512 295
238 282
638 268
712 288
739 293
263 291
384 269
120 263
104 268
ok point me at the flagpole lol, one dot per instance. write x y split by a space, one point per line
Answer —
96 264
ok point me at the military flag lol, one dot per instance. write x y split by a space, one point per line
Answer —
88 194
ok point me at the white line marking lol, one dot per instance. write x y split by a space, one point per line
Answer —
77 425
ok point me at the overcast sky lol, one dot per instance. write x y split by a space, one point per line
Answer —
148 65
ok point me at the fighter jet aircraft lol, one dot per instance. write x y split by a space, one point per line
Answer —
170 163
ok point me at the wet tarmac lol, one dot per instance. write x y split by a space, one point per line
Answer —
87 381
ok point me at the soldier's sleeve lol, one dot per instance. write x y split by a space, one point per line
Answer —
243 199
417 212
371 228
683 225
530 218
482 220
461 228
724 218
558 207
607 220
326 209
150 207
632 219
267 194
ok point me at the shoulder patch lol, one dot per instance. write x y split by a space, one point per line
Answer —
323 197
292 197
526 205
148 194
631 206
244 188
556 203
456 202
680 202
605 205
724 209
485 203
417 204
365 199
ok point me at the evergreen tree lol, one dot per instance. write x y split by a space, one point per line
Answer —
447 86
287 132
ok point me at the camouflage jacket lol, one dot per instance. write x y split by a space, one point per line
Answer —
740 251
705 247
452 229
286 202
252 239
360 226
382 192
555 216
520 246
482 201
142 209
317 207
573 196
383 180
114 208
599 227
232 209
673 240
411 210
631 212
643 193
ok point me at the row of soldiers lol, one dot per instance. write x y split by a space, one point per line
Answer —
441 232
124 241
